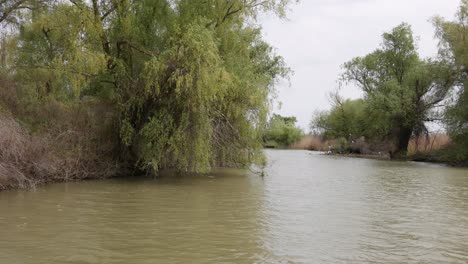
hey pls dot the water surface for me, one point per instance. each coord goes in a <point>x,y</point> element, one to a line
<point>307,208</point>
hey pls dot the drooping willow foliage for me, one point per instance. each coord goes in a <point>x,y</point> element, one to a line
<point>190,81</point>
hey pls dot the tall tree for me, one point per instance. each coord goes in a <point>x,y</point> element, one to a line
<point>189,81</point>
<point>402,88</point>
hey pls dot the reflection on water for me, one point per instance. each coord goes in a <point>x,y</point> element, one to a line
<point>307,209</point>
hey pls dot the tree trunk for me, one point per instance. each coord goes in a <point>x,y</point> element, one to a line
<point>402,139</point>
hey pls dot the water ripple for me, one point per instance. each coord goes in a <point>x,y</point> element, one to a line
<point>307,209</point>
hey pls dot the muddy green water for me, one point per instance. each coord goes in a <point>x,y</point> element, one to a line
<point>306,209</point>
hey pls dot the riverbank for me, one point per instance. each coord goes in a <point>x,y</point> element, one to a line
<point>420,157</point>
<point>436,148</point>
<point>360,156</point>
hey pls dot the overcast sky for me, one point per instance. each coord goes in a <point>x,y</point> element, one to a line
<point>320,35</point>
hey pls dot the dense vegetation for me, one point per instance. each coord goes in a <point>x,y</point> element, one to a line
<point>146,85</point>
<point>453,37</point>
<point>346,118</point>
<point>282,132</point>
<point>402,92</point>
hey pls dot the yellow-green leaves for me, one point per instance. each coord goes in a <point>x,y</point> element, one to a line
<point>189,81</point>
<point>152,72</point>
<point>59,45</point>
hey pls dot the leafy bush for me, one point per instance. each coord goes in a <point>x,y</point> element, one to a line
<point>282,132</point>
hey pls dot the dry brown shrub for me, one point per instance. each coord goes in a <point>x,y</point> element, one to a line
<point>422,145</point>
<point>73,140</point>
<point>76,142</point>
<point>16,155</point>
<point>83,139</point>
<point>428,144</point>
<point>311,142</point>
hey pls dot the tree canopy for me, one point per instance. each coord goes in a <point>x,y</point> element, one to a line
<point>189,81</point>
<point>401,89</point>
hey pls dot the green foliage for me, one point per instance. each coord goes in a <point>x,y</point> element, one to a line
<point>401,90</point>
<point>52,58</point>
<point>189,82</point>
<point>282,132</point>
<point>453,48</point>
<point>346,119</point>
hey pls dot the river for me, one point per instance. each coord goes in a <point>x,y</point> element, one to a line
<point>307,208</point>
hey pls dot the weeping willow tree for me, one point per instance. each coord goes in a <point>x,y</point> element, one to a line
<point>189,81</point>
